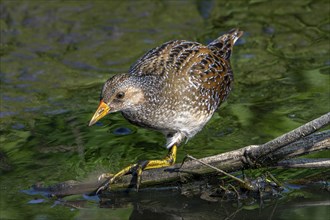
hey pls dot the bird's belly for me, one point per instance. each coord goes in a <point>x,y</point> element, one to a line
<point>186,122</point>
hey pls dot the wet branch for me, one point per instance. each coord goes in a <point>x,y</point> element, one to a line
<point>304,163</point>
<point>276,153</point>
<point>290,137</point>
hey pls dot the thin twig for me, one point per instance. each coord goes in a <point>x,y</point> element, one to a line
<point>217,169</point>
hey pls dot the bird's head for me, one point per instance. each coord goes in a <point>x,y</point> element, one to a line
<point>120,92</point>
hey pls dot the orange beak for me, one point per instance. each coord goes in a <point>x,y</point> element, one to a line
<point>101,111</point>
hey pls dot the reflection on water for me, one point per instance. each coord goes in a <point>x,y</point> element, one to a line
<point>168,203</point>
<point>56,56</point>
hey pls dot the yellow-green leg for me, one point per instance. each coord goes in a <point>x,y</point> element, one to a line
<point>138,168</point>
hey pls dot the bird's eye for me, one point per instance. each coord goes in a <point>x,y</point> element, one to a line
<point>120,95</point>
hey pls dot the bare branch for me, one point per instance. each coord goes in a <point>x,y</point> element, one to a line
<point>291,144</point>
<point>291,136</point>
<point>304,163</point>
<point>312,143</point>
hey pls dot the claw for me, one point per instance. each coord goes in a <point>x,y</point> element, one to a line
<point>101,188</point>
<point>104,186</point>
<point>107,183</point>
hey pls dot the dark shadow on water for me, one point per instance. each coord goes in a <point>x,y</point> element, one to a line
<point>172,203</point>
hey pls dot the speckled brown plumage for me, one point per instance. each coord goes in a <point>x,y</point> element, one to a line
<point>174,88</point>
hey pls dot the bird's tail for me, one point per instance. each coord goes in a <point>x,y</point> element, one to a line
<point>223,45</point>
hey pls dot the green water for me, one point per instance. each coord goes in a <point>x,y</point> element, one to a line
<point>55,56</point>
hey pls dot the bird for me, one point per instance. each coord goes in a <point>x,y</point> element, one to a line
<point>175,89</point>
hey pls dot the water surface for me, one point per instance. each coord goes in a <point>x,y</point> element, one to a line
<point>55,57</point>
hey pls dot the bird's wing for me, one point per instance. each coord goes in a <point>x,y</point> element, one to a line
<point>202,66</point>
<point>163,59</point>
<point>211,71</point>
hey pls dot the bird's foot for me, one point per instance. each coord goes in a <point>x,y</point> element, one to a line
<point>112,178</point>
<point>137,169</point>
